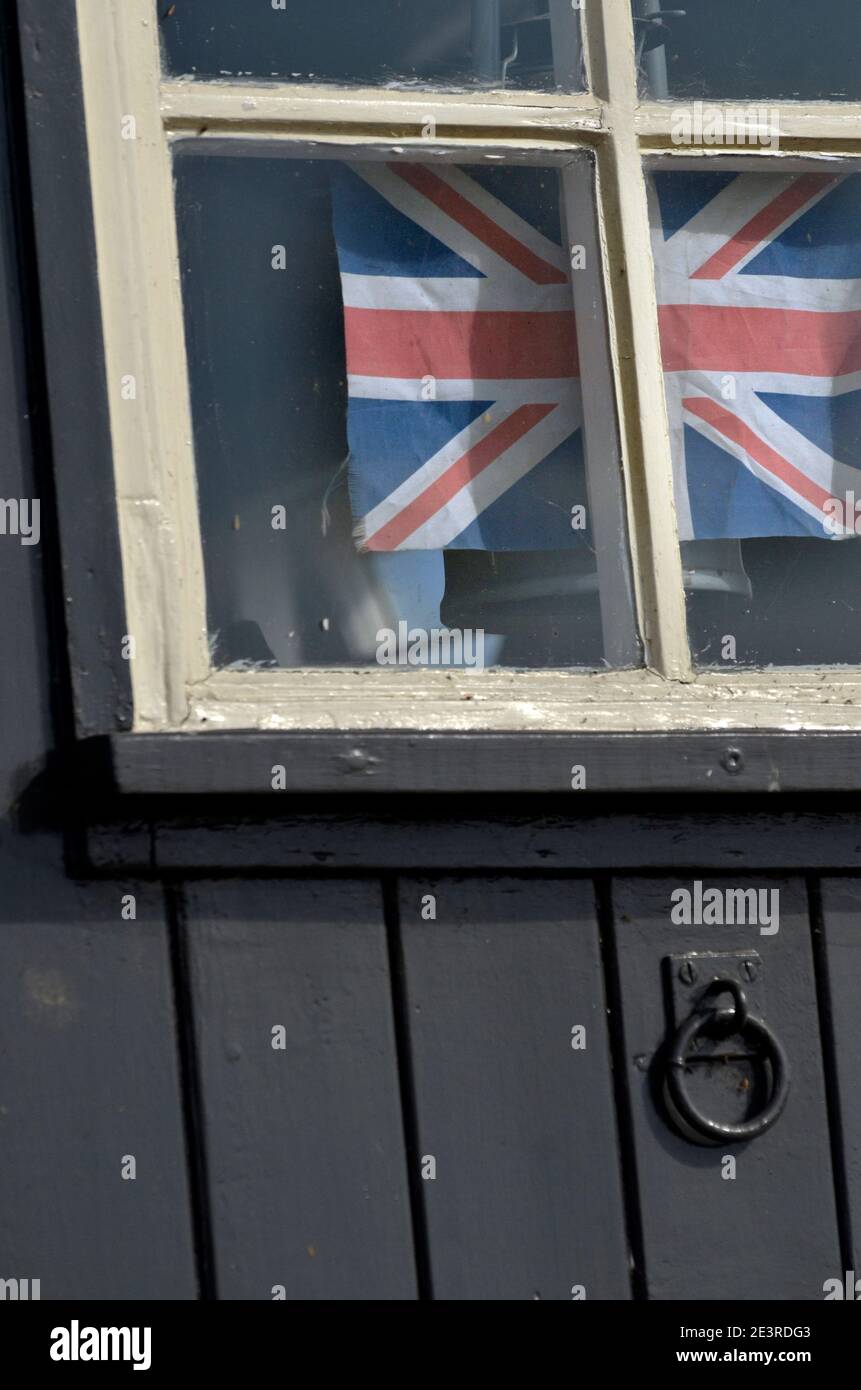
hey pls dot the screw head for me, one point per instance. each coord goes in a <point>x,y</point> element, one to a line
<point>748,970</point>
<point>733,761</point>
<point>687,973</point>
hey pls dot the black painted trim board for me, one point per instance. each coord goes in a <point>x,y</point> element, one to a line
<point>430,834</point>
<point>74,352</point>
<point>243,763</point>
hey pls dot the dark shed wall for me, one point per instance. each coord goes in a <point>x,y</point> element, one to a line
<point>427,1128</point>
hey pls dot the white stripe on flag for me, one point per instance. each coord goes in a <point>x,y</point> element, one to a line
<point>566,417</point>
<point>809,465</point>
<point>722,218</point>
<point>777,383</point>
<point>438,224</point>
<point>761,292</point>
<point>738,452</point>
<point>506,217</point>
<point>492,482</point>
<point>458,294</point>
<point>526,392</point>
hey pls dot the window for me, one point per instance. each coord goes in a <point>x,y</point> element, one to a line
<point>394,360</point>
<point>533,44</point>
<point>305,226</point>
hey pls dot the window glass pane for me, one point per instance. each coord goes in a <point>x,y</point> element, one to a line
<point>759,290</point>
<point>740,49</point>
<point>413,462</point>
<point>531,44</point>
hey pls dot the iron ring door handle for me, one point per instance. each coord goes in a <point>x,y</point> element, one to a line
<point>692,1121</point>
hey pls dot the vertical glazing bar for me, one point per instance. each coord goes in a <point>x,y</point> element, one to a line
<point>626,234</point>
<point>144,331</point>
<point>607,511</point>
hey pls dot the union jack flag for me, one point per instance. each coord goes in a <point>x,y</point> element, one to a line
<point>759,293</point>
<point>464,396</point>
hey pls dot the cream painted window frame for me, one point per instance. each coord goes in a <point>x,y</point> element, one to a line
<point>174,686</point>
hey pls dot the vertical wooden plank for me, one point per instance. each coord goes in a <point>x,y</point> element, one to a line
<point>304,1144</point>
<point>88,1062</point>
<point>771,1232</point>
<point>24,671</point>
<point>89,1080</point>
<point>526,1202</point>
<point>841,927</point>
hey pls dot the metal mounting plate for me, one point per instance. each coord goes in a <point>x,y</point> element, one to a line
<point>689,974</point>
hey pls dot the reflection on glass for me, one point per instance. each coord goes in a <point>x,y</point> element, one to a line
<point>759,291</point>
<point>532,44</point>
<point>749,49</point>
<point>387,414</point>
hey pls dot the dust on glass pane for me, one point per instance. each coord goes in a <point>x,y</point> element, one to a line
<point>531,44</point>
<point>387,414</point>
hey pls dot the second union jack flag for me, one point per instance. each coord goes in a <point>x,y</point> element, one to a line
<point>464,397</point>
<point>759,294</point>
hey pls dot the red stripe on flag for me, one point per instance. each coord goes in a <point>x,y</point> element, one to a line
<point>735,429</point>
<point>409,344</point>
<point>457,476</point>
<point>766,221</point>
<point>467,215</point>
<point>718,338</point>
